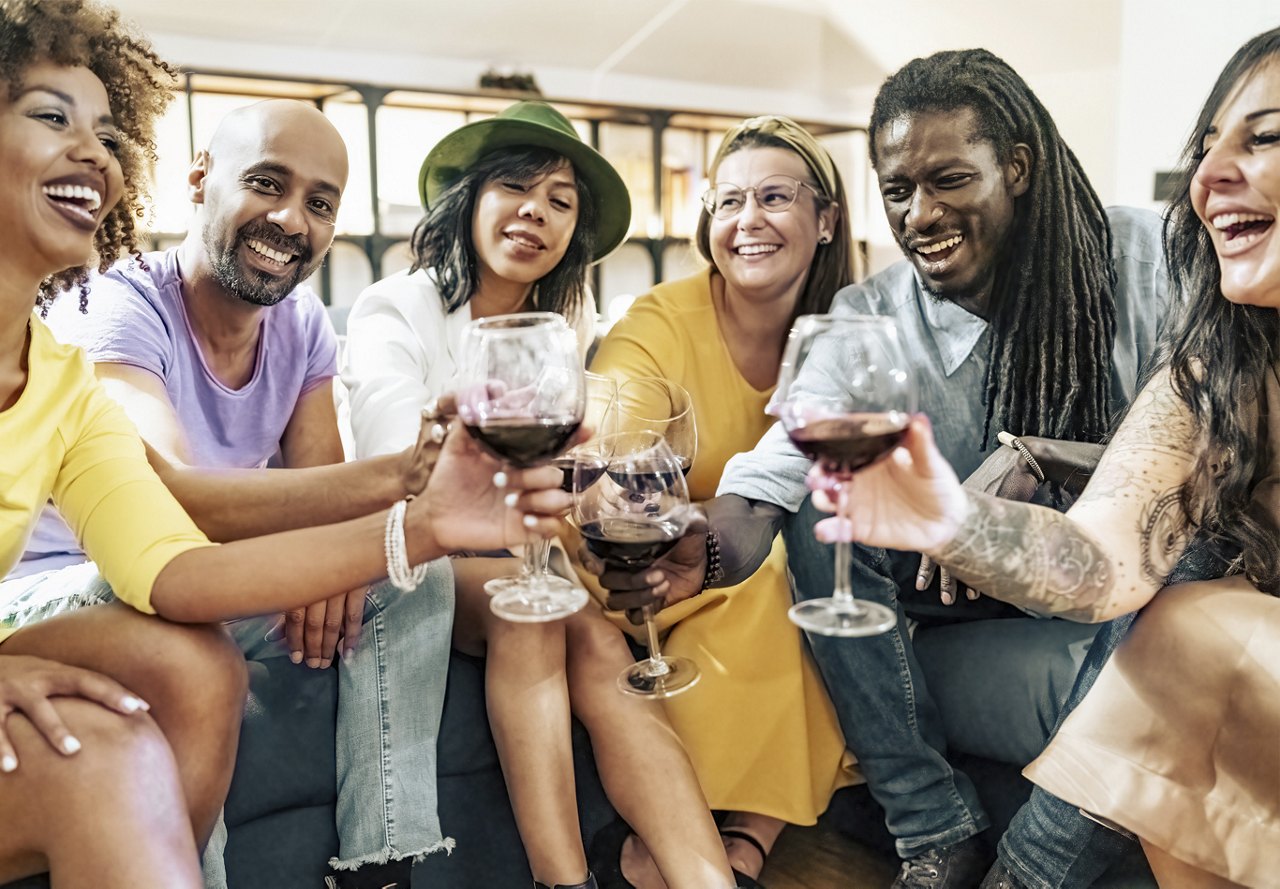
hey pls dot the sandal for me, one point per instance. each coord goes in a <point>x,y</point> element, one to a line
<point>744,881</point>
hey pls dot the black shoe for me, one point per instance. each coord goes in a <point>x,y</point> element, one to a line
<point>1000,877</point>
<point>959,866</point>
<point>588,883</point>
<point>388,875</point>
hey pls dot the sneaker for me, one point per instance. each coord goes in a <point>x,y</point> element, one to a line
<point>388,875</point>
<point>959,866</point>
<point>1000,877</point>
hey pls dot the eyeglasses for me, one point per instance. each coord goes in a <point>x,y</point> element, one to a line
<point>774,193</point>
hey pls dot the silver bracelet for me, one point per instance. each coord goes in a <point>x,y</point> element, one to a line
<point>402,576</point>
<point>1010,440</point>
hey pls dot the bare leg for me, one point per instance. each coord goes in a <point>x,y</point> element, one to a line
<point>1173,873</point>
<point>528,701</point>
<point>193,677</point>
<point>112,816</point>
<point>745,857</point>
<point>642,763</point>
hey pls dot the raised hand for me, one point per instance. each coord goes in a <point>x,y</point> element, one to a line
<point>673,578</point>
<point>910,501</point>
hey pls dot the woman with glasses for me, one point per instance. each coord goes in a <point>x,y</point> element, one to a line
<point>774,232</point>
<point>518,207</point>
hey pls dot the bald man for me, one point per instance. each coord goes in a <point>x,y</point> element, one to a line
<point>224,359</point>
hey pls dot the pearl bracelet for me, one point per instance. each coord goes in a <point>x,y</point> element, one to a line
<point>402,577</point>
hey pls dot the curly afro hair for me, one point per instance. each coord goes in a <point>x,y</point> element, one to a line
<point>139,84</point>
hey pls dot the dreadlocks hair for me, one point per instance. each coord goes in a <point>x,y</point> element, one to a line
<point>442,239</point>
<point>1219,353</point>
<point>1053,299</point>
<point>139,84</point>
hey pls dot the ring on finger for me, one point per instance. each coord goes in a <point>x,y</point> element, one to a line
<point>438,431</point>
<point>431,410</point>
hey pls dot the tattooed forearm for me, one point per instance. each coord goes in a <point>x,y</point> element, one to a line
<point>1032,557</point>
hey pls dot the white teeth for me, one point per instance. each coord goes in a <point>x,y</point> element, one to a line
<point>757,249</point>
<point>930,249</point>
<point>1226,220</point>
<point>91,196</point>
<point>273,255</point>
<point>523,239</point>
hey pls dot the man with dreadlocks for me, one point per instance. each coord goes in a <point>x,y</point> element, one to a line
<point>1028,309</point>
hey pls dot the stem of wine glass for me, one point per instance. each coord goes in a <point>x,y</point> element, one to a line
<point>541,557</point>
<point>843,592</point>
<point>657,666</point>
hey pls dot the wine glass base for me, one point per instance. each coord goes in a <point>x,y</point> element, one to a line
<point>681,675</point>
<point>535,601</point>
<point>829,617</point>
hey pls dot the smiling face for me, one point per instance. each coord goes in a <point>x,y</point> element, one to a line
<point>270,183</point>
<point>949,199</point>
<point>762,254</point>
<point>1236,188</point>
<point>521,229</point>
<point>61,173</point>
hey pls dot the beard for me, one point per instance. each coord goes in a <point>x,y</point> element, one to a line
<point>251,285</point>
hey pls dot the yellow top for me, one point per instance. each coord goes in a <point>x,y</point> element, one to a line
<point>672,332</point>
<point>65,437</point>
<point>759,727</point>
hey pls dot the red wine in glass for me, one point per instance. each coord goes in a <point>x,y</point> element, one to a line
<point>844,443</point>
<point>630,544</point>
<point>522,441</point>
<point>589,469</point>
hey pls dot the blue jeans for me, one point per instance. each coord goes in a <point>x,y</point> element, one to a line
<point>991,687</point>
<point>390,700</point>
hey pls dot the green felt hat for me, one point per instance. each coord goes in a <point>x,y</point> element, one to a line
<point>532,124</point>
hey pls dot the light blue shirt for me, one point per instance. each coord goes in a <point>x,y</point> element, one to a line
<point>949,349</point>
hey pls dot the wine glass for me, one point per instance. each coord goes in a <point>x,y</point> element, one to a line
<point>663,407</point>
<point>521,395</point>
<point>845,396</point>
<point>600,416</point>
<point>630,515</point>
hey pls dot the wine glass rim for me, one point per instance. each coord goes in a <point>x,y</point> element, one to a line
<point>830,319</point>
<point>516,322</point>
<point>663,381</point>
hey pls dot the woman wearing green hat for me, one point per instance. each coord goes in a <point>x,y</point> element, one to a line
<point>776,238</point>
<point>518,207</point>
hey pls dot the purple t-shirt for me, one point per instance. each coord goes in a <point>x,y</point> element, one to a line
<point>138,317</point>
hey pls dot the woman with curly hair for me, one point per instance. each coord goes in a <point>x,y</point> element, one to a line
<point>118,729</point>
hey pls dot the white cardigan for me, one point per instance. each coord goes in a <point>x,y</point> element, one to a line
<point>401,351</point>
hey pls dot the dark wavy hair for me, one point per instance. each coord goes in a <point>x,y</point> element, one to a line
<point>139,84</point>
<point>442,239</point>
<point>1218,354</point>
<point>1053,302</point>
<point>832,265</point>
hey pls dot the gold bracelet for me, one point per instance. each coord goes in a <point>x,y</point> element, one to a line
<point>1010,440</point>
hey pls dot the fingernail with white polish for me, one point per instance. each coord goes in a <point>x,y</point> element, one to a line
<point>70,744</point>
<point>530,522</point>
<point>347,655</point>
<point>295,656</point>
<point>511,499</point>
<point>133,705</point>
<point>8,763</point>
<point>499,479</point>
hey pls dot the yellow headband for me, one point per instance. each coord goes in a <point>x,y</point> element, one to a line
<point>800,140</point>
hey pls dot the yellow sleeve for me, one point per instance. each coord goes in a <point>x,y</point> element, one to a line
<point>120,511</point>
<point>644,343</point>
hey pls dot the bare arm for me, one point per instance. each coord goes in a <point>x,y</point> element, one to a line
<point>232,504</point>
<point>1113,549</point>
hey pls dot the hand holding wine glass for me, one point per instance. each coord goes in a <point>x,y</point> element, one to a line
<point>522,396</point>
<point>629,516</point>
<point>845,397</point>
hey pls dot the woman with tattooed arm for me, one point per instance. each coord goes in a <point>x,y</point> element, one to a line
<point>1176,742</point>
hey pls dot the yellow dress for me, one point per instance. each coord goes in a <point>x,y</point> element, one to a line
<point>759,727</point>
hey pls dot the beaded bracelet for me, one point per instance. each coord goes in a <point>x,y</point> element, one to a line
<point>715,571</point>
<point>1010,440</point>
<point>402,577</point>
